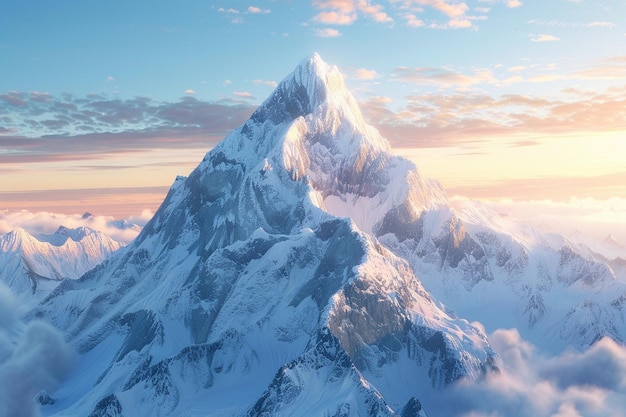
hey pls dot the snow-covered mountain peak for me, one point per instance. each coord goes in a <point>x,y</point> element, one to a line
<point>310,133</point>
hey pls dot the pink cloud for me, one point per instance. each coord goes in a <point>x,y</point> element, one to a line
<point>374,11</point>
<point>344,6</point>
<point>335,18</point>
<point>258,10</point>
<point>365,74</point>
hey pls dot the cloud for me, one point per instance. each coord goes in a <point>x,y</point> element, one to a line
<point>229,10</point>
<point>517,68</point>
<point>532,384</point>
<point>543,38</point>
<point>459,23</point>
<point>374,11</point>
<point>443,77</point>
<point>72,128</point>
<point>46,223</point>
<point>243,94</point>
<point>512,4</point>
<point>600,24</point>
<point>334,18</point>
<point>327,33</point>
<point>272,84</point>
<point>446,118</point>
<point>257,10</point>
<point>593,217</point>
<point>346,12</point>
<point>33,357</point>
<point>190,91</point>
<point>450,9</point>
<point>365,74</point>
<point>413,21</point>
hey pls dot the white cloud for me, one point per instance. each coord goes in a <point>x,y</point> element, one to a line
<point>258,10</point>
<point>543,38</point>
<point>517,68</point>
<point>533,384</point>
<point>265,82</point>
<point>229,10</point>
<point>190,91</point>
<point>243,94</point>
<point>513,3</point>
<point>593,217</point>
<point>327,33</point>
<point>33,357</point>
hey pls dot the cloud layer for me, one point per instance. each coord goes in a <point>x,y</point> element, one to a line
<point>47,223</point>
<point>39,127</point>
<point>574,384</point>
<point>33,357</point>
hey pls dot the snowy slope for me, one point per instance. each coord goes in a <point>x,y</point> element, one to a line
<point>558,294</point>
<point>32,265</point>
<point>251,292</point>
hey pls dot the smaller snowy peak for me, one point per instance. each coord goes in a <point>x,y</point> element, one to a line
<point>612,241</point>
<point>36,264</point>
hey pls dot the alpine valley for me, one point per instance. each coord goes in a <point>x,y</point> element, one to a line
<point>304,270</point>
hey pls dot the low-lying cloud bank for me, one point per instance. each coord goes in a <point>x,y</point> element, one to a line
<point>530,384</point>
<point>34,357</point>
<point>124,230</point>
<point>574,218</point>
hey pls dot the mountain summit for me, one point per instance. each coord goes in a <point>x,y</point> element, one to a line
<point>258,288</point>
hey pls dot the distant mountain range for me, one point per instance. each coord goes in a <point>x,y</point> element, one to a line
<point>34,265</point>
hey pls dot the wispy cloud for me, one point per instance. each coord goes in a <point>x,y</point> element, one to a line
<point>268,83</point>
<point>439,119</point>
<point>443,77</point>
<point>334,18</point>
<point>38,115</point>
<point>595,217</point>
<point>229,10</point>
<point>258,10</point>
<point>365,74</point>
<point>543,38</point>
<point>327,33</point>
<point>244,94</point>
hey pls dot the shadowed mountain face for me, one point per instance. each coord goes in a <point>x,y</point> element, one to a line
<point>259,288</point>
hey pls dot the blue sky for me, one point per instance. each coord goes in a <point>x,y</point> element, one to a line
<point>513,99</point>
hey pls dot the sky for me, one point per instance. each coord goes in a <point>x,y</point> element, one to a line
<point>517,103</point>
